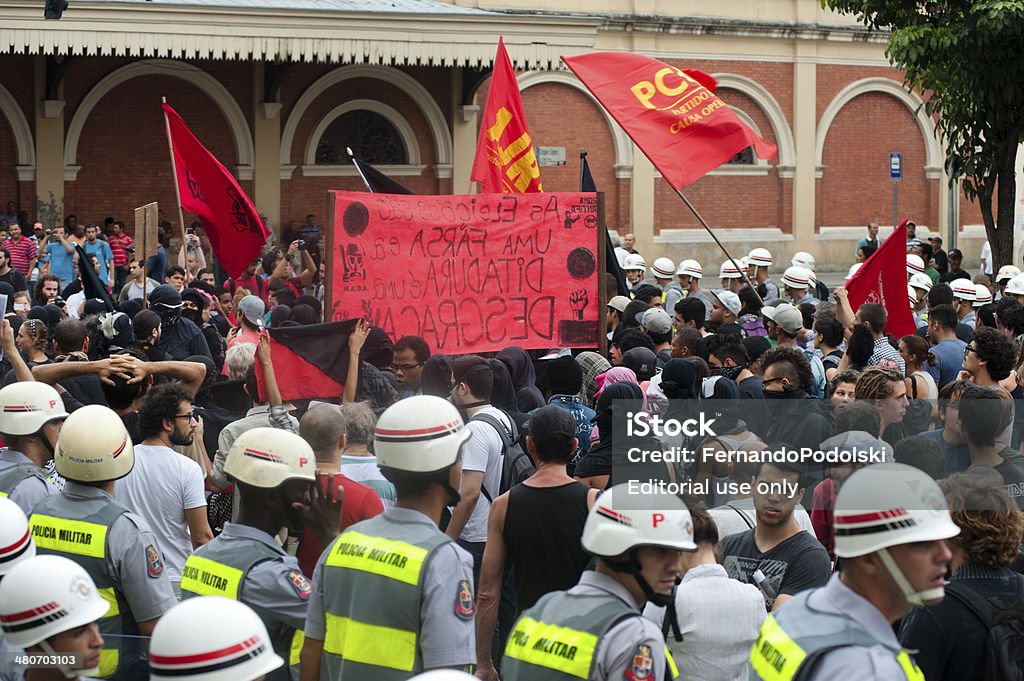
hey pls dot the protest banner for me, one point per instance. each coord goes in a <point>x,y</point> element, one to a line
<point>474,273</point>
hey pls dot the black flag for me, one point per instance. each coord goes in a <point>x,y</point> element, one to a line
<point>376,181</point>
<point>91,284</point>
<point>611,262</point>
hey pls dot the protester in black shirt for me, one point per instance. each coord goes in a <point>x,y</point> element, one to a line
<point>535,527</point>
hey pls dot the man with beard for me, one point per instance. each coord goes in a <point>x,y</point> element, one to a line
<point>274,472</point>
<point>179,337</point>
<point>789,559</point>
<point>393,595</point>
<point>165,487</point>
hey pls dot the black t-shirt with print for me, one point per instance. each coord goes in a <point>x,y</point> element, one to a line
<point>797,564</point>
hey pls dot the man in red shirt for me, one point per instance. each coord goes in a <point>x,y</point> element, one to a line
<point>119,243</point>
<point>324,429</point>
<point>23,251</point>
<point>256,284</point>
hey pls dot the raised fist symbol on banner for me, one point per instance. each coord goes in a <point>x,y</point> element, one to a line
<point>578,301</point>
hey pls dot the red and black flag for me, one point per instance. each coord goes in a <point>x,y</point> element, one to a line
<point>311,361</point>
<point>611,263</point>
<point>376,181</point>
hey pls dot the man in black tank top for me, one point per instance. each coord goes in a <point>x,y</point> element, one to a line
<point>536,527</point>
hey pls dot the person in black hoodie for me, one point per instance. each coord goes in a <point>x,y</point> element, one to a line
<point>794,416</point>
<point>436,377</point>
<point>524,378</point>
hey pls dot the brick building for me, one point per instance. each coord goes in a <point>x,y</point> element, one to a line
<point>277,89</point>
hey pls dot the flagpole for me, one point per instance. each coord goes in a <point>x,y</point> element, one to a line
<point>583,157</point>
<point>174,174</point>
<point>743,270</point>
<point>358,169</point>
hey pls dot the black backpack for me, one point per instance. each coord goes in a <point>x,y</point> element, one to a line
<point>516,464</point>
<point>1004,646</point>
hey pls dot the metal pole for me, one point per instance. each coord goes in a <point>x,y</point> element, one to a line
<point>743,270</point>
<point>895,204</point>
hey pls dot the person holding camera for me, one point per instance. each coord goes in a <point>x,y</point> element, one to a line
<point>56,250</point>
<point>190,256</point>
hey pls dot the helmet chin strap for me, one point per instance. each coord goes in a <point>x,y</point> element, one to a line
<point>67,671</point>
<point>913,597</point>
<point>633,568</point>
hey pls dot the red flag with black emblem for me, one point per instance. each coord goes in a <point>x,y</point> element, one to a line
<point>505,162</point>
<point>672,114</point>
<point>209,191</point>
<point>882,279</point>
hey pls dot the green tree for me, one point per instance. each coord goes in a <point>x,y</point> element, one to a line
<point>967,58</point>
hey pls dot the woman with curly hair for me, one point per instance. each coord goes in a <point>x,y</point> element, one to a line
<point>951,637</point>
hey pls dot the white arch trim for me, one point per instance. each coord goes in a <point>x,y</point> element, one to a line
<point>389,74</point>
<point>209,85</point>
<point>770,106</point>
<point>933,150</point>
<point>412,166</point>
<point>24,145</point>
<point>623,145</point>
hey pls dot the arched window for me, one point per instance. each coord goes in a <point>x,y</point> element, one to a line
<point>744,157</point>
<point>371,136</point>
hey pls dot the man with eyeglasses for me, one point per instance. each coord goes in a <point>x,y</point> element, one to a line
<point>410,354</point>
<point>164,487</point>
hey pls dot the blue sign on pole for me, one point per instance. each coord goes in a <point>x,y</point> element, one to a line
<point>895,166</point>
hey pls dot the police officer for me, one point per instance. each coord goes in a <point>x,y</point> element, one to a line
<point>393,595</point>
<point>210,638</point>
<point>758,262</point>
<point>49,604</point>
<point>595,630</point>
<point>114,545</point>
<point>31,414</point>
<point>891,521</point>
<point>16,546</point>
<point>274,472</point>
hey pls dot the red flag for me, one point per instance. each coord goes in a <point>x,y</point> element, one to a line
<point>505,159</point>
<point>882,279</point>
<point>673,115</point>
<point>209,191</point>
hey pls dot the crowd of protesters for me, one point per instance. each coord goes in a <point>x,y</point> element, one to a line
<point>470,513</point>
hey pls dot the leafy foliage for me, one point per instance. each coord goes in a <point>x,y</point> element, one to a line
<point>967,58</point>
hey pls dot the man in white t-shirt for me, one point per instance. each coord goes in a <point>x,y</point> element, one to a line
<point>164,487</point>
<point>472,382</point>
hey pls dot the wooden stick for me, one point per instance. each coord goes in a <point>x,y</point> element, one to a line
<point>174,174</point>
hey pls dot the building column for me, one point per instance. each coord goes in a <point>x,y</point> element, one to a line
<point>805,124</point>
<point>266,176</point>
<point>49,141</point>
<point>465,120</point>
<point>641,205</point>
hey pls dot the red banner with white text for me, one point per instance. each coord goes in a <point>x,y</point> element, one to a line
<point>472,273</point>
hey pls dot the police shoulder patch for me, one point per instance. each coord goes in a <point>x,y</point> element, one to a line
<point>300,583</point>
<point>465,606</point>
<point>641,665</point>
<point>154,564</point>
